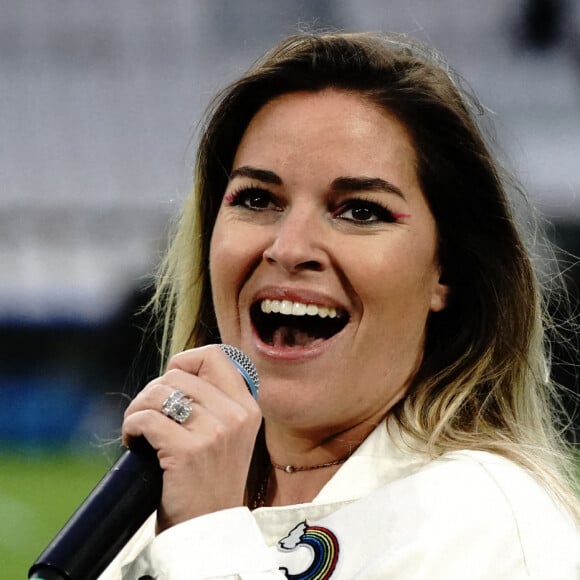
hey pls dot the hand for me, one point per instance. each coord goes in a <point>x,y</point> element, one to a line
<point>205,460</point>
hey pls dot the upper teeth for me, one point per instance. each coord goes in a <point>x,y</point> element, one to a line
<point>297,308</point>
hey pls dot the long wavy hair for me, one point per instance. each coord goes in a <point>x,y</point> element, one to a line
<point>483,382</point>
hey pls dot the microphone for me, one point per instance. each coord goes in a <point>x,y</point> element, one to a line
<point>117,507</point>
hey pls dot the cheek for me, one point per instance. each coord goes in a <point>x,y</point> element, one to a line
<point>397,283</point>
<point>224,249</point>
<point>396,302</point>
<point>221,269</point>
<point>232,254</point>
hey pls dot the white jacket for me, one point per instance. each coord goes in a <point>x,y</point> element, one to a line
<point>388,513</point>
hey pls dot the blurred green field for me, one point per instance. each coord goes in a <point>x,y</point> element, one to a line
<point>38,493</point>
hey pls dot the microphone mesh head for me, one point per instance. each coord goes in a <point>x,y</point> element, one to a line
<point>245,366</point>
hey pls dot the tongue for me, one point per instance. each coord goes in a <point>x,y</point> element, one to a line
<point>285,336</point>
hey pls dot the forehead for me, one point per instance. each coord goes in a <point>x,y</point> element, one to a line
<point>332,131</point>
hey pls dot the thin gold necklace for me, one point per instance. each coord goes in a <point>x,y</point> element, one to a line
<point>261,494</point>
<point>293,468</point>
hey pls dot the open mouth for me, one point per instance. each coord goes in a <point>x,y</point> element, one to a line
<point>283,323</point>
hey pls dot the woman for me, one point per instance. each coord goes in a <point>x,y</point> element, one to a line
<point>350,231</point>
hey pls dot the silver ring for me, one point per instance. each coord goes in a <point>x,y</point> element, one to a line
<point>177,407</point>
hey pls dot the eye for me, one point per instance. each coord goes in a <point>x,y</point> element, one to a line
<point>360,211</point>
<point>252,198</point>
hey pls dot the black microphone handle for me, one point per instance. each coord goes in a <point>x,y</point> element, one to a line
<point>126,496</point>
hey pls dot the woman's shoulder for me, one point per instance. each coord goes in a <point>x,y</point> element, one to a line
<point>481,492</point>
<point>471,513</point>
<point>469,475</point>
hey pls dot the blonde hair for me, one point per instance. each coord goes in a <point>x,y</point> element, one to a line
<point>484,379</point>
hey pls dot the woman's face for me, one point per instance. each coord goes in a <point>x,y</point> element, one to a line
<point>323,259</point>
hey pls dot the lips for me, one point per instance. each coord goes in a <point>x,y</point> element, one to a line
<point>293,324</point>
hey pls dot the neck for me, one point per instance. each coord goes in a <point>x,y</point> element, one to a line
<point>298,487</point>
<point>314,459</point>
<point>307,447</point>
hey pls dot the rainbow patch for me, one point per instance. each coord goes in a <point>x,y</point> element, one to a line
<point>323,545</point>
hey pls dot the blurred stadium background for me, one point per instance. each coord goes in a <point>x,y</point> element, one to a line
<point>98,106</point>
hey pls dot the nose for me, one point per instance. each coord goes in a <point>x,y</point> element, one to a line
<point>298,243</point>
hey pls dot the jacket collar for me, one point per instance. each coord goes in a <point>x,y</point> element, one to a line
<point>381,458</point>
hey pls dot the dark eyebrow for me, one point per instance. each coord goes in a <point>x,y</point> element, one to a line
<point>347,184</point>
<point>365,184</point>
<point>255,173</point>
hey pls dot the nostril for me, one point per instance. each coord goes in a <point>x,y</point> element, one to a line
<point>295,266</point>
<point>311,265</point>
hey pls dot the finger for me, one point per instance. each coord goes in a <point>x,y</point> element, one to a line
<point>211,364</point>
<point>152,396</point>
<point>204,429</point>
<point>159,430</point>
<point>166,436</point>
<point>158,391</point>
<point>206,407</point>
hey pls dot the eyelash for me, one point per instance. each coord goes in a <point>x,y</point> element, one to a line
<point>242,198</point>
<point>381,213</point>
